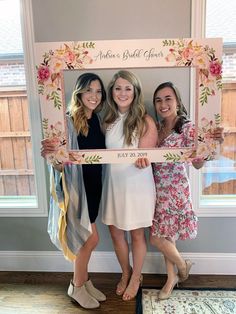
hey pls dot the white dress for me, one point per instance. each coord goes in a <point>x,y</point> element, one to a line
<point>128,196</point>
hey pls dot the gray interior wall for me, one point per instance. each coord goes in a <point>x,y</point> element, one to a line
<point>59,20</point>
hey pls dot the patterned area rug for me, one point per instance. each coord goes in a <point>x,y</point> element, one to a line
<point>186,301</point>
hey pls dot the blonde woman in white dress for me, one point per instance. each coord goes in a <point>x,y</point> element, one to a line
<point>128,197</point>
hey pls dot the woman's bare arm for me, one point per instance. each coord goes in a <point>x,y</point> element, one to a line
<point>149,137</point>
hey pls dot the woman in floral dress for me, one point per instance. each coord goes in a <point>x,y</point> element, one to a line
<point>174,217</point>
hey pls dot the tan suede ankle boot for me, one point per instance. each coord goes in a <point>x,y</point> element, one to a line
<point>82,297</point>
<point>94,292</point>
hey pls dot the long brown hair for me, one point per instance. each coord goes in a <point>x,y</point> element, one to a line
<point>76,108</point>
<point>181,110</point>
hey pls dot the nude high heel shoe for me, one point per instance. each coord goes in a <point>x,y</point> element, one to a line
<point>165,295</point>
<point>184,275</point>
<point>82,297</point>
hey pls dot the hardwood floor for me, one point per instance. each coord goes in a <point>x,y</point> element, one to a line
<point>32,292</point>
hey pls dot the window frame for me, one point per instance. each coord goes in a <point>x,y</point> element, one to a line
<point>198,22</point>
<point>29,209</point>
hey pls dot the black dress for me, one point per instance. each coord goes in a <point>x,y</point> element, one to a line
<point>92,174</point>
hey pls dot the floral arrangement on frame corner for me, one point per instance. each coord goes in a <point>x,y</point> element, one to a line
<point>74,56</point>
<point>189,53</point>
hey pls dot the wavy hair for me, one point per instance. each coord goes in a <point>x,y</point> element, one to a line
<point>181,110</point>
<point>77,108</point>
<point>135,121</point>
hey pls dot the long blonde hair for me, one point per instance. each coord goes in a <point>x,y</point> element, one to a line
<point>135,121</point>
<point>76,108</point>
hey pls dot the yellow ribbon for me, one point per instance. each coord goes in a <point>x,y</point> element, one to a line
<point>62,219</point>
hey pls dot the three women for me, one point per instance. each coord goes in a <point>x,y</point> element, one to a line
<point>128,195</point>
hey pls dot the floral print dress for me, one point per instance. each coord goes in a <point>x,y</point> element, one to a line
<point>174,216</point>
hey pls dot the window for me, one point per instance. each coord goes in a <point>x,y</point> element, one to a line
<point>216,181</point>
<point>22,191</point>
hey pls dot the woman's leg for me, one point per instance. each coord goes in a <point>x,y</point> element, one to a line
<point>82,259</point>
<point>138,252</point>
<point>169,250</point>
<point>81,289</point>
<point>122,252</point>
<point>172,280</point>
<point>172,257</point>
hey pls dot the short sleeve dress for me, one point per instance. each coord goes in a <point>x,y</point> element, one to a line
<point>128,196</point>
<point>174,216</point>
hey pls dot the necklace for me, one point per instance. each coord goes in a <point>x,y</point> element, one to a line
<point>166,131</point>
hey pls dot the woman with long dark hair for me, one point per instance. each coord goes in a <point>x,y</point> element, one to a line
<point>81,187</point>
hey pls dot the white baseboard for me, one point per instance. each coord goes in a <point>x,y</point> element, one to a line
<point>53,261</point>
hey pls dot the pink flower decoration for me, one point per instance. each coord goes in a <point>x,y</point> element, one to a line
<point>215,68</point>
<point>204,122</point>
<point>70,56</point>
<point>43,73</point>
<point>187,53</point>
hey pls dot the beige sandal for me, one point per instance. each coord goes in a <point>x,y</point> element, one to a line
<point>123,283</point>
<point>131,291</point>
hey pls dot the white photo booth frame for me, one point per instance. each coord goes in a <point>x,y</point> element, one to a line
<point>202,54</point>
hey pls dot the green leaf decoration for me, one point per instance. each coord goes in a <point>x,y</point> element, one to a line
<point>204,95</point>
<point>45,124</point>
<point>41,89</point>
<point>88,44</point>
<point>172,157</point>
<point>46,58</point>
<point>45,127</point>
<point>93,159</point>
<point>219,83</point>
<point>217,119</point>
<point>211,52</point>
<point>168,42</point>
<point>54,96</point>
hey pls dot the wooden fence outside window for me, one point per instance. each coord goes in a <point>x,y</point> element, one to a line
<point>16,174</point>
